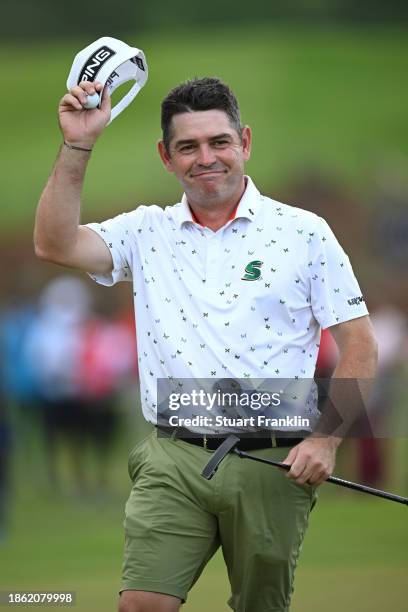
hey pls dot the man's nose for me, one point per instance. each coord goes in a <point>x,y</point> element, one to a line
<point>206,155</point>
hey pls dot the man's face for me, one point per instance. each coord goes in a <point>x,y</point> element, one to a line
<point>207,155</point>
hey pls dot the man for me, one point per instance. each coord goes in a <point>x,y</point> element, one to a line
<point>198,316</point>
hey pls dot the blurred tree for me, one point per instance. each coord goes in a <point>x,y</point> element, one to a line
<point>47,18</point>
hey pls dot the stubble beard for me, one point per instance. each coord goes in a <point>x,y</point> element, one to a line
<point>208,196</point>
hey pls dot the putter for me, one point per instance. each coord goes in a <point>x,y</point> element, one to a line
<point>230,445</point>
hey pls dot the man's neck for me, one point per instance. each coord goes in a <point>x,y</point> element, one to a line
<point>218,214</point>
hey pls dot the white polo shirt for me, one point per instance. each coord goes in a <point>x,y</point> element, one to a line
<point>247,301</point>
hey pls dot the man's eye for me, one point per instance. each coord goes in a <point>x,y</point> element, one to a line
<point>186,148</point>
<point>221,143</point>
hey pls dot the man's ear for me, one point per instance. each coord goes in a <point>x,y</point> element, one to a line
<point>246,142</point>
<point>165,157</point>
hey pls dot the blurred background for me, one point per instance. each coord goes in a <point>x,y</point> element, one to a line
<point>323,85</point>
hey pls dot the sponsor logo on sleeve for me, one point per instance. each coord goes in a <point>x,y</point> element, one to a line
<point>356,301</point>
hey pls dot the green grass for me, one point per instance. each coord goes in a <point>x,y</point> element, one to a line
<point>354,554</point>
<point>331,98</point>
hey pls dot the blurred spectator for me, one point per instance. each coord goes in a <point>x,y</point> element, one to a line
<point>5,447</point>
<point>80,362</point>
<point>19,390</point>
<point>18,377</point>
<point>390,325</point>
<point>107,362</point>
<point>391,328</point>
<point>328,355</point>
<point>53,347</point>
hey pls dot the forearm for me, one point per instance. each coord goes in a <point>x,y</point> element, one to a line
<point>58,213</point>
<point>57,233</point>
<point>313,459</point>
<point>349,389</point>
<point>357,360</point>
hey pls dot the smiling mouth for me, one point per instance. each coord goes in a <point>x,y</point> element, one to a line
<point>209,173</point>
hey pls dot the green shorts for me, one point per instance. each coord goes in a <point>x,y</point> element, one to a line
<point>176,520</point>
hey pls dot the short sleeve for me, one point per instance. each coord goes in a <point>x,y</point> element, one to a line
<point>335,293</point>
<point>118,234</point>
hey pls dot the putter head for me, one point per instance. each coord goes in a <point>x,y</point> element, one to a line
<point>220,454</point>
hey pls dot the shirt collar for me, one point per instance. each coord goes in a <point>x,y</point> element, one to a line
<point>247,208</point>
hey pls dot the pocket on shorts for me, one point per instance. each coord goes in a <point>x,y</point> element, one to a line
<point>311,490</point>
<point>134,455</point>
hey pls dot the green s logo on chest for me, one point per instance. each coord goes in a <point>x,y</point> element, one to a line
<point>253,271</point>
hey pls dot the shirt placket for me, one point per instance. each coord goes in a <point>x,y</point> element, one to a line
<point>213,262</point>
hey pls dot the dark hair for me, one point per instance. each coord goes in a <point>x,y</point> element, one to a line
<point>208,93</point>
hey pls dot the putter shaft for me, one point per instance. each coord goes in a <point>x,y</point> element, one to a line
<point>333,479</point>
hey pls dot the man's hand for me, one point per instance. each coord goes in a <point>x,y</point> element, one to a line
<point>312,460</point>
<point>81,127</point>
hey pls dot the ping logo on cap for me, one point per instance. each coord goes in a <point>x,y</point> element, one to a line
<point>94,63</point>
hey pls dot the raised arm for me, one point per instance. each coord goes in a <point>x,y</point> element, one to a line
<point>58,235</point>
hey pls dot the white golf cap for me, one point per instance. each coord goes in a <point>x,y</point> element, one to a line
<point>111,62</point>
